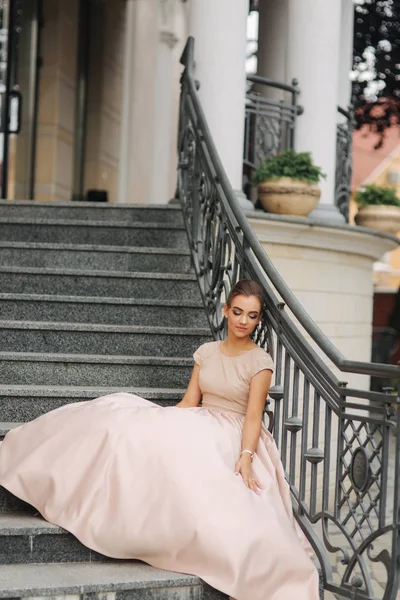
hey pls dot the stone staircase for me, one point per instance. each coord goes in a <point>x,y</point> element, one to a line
<point>93,299</point>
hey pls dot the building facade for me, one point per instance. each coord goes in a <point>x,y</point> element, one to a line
<point>94,88</point>
<point>90,91</point>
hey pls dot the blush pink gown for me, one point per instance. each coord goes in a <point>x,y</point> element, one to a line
<point>131,479</point>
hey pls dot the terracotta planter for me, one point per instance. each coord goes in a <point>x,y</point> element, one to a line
<point>288,196</point>
<point>380,217</point>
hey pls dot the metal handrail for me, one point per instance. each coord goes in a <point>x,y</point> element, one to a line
<point>293,89</point>
<point>323,342</point>
<point>346,113</point>
<point>321,426</point>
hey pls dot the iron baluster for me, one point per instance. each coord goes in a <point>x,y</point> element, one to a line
<point>304,441</point>
<point>315,454</point>
<point>286,396</point>
<point>294,425</point>
<point>276,392</point>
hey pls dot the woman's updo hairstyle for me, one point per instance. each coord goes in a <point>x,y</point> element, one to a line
<point>246,287</point>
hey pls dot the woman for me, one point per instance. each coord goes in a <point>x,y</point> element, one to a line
<point>189,488</point>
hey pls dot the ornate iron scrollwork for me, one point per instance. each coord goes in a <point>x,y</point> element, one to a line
<point>269,123</point>
<point>360,470</point>
<point>343,172</point>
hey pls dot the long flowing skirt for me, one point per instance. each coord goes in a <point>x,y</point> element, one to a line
<point>131,479</point>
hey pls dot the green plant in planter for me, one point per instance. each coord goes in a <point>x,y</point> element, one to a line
<point>373,195</point>
<point>296,165</point>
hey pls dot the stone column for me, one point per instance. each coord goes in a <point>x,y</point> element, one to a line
<point>104,98</point>
<point>313,58</point>
<point>272,44</point>
<point>346,53</point>
<point>57,87</point>
<point>219,29</point>
<point>165,128</point>
<point>156,32</point>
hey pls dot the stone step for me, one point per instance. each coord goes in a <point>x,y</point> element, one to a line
<point>118,580</point>
<point>91,211</point>
<point>6,426</point>
<point>115,233</point>
<point>27,538</point>
<point>26,402</point>
<point>96,309</point>
<point>10,504</point>
<point>121,284</point>
<point>22,368</point>
<point>91,338</point>
<point>105,258</point>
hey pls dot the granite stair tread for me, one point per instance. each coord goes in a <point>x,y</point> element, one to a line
<point>99,273</point>
<point>5,427</point>
<point>97,210</point>
<point>94,205</point>
<point>95,358</point>
<point>88,392</point>
<point>90,223</point>
<point>95,248</point>
<point>104,300</point>
<point>22,524</point>
<point>103,327</point>
<point>89,282</point>
<point>36,580</point>
<point>94,369</point>
<point>45,307</point>
<point>27,401</point>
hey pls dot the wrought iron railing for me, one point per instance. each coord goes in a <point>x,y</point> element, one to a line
<point>269,122</point>
<point>270,127</point>
<point>339,444</point>
<point>344,139</point>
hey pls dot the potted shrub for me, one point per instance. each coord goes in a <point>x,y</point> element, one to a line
<point>379,208</point>
<point>288,183</point>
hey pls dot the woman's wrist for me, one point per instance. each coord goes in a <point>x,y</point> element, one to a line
<point>248,453</point>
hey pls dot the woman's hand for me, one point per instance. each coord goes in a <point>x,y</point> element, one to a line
<point>244,468</point>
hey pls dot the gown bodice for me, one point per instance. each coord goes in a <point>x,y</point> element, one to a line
<point>225,380</point>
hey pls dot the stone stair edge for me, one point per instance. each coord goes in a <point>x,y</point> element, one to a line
<point>78,579</point>
<point>95,358</point>
<point>94,248</point>
<point>5,428</point>
<point>101,205</point>
<point>90,392</point>
<point>103,327</point>
<point>26,524</point>
<point>108,274</point>
<point>104,300</point>
<point>91,223</point>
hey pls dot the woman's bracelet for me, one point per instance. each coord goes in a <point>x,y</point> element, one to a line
<point>248,452</point>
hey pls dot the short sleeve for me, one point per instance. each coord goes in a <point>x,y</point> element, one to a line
<point>262,361</point>
<point>198,355</point>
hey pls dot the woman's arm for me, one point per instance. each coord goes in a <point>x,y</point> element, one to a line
<point>259,386</point>
<point>192,396</point>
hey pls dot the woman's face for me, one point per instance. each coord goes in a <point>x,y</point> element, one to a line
<point>243,315</point>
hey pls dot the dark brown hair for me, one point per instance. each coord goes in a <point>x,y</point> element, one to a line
<point>246,287</point>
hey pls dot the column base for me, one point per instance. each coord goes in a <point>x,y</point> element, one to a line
<point>327,213</point>
<point>245,203</point>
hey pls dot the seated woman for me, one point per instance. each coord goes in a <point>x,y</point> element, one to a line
<point>189,488</point>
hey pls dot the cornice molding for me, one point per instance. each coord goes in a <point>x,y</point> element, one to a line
<point>291,231</point>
